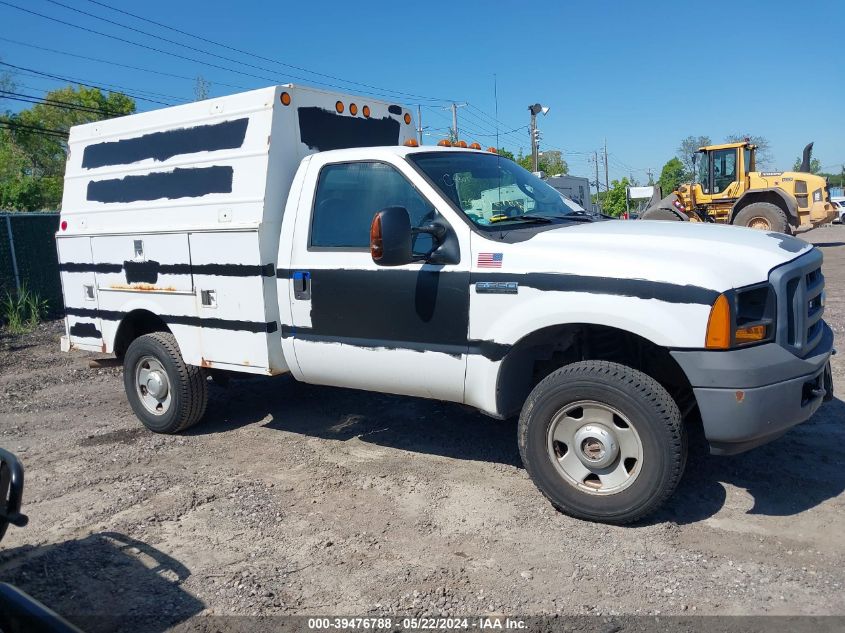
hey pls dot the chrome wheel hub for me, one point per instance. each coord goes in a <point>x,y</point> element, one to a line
<point>594,447</point>
<point>152,385</point>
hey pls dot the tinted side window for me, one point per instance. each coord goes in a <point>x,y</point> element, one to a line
<point>724,169</point>
<point>350,194</point>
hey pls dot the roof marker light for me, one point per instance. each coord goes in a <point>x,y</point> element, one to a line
<point>339,107</point>
<point>474,146</point>
<point>285,98</point>
<point>411,142</point>
<point>444,143</point>
<point>407,118</point>
<point>353,109</point>
<point>366,111</point>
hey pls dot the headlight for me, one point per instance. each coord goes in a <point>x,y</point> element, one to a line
<point>742,317</point>
<point>817,195</point>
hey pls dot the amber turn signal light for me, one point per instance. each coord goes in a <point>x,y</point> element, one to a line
<point>719,325</point>
<point>750,334</point>
<point>376,248</point>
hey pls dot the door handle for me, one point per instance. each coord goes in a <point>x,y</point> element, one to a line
<point>301,285</point>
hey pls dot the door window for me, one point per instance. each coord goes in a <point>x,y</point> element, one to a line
<point>350,194</point>
<point>724,169</point>
<point>703,166</point>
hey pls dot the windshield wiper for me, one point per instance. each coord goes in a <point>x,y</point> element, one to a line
<point>521,218</point>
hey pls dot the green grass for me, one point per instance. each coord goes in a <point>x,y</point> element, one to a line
<point>23,310</point>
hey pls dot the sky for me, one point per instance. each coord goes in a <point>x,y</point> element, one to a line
<point>640,76</point>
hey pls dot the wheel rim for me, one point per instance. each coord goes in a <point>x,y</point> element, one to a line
<point>759,223</point>
<point>152,385</point>
<point>594,447</point>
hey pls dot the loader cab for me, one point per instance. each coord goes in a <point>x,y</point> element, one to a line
<point>721,171</point>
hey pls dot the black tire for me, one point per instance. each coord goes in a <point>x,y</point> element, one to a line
<point>764,216</point>
<point>187,389</point>
<point>660,214</point>
<point>649,409</point>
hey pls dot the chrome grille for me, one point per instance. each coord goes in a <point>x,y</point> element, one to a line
<point>799,286</point>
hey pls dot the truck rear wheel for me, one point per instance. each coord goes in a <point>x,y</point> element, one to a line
<point>167,395</point>
<point>602,441</point>
<point>764,216</point>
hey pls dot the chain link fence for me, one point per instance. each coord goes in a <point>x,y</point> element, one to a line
<point>28,256</point>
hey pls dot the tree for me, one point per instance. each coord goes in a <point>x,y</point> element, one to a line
<point>815,165</point>
<point>550,162</point>
<point>672,175</point>
<point>505,153</point>
<point>32,162</point>
<point>764,148</point>
<point>614,201</point>
<point>688,147</point>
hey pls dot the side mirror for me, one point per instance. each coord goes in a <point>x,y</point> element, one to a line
<point>11,492</point>
<point>390,237</point>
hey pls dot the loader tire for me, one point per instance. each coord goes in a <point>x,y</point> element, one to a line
<point>602,441</point>
<point>166,394</point>
<point>764,216</point>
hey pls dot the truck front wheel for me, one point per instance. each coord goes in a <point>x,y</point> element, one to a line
<point>602,441</point>
<point>764,216</point>
<point>167,395</point>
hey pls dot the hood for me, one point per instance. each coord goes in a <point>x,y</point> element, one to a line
<point>718,257</point>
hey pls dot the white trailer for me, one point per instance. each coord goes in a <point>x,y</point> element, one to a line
<point>294,230</point>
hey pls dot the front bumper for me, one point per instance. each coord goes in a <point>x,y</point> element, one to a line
<point>748,397</point>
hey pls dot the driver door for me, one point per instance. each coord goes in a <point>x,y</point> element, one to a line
<point>355,324</point>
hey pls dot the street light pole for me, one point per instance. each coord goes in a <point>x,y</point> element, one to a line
<point>535,152</point>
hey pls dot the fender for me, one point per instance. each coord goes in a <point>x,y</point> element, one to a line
<point>664,324</point>
<point>767,195</point>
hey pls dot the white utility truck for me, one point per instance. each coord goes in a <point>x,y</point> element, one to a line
<point>293,230</point>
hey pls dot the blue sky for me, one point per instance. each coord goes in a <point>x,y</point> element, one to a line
<point>641,75</point>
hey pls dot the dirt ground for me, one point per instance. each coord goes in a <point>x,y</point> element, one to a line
<point>293,499</point>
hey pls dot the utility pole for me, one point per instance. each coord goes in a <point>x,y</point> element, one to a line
<point>606,178</point>
<point>650,176</point>
<point>419,126</point>
<point>598,187</point>
<point>454,108</point>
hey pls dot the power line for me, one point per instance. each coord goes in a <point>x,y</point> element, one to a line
<point>15,96</point>
<point>136,93</point>
<point>12,125</point>
<point>81,83</point>
<point>113,63</point>
<point>273,80</point>
<point>267,59</point>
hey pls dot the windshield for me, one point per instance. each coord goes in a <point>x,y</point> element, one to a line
<point>492,190</point>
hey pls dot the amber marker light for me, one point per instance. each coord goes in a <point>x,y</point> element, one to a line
<point>376,247</point>
<point>407,118</point>
<point>353,109</point>
<point>411,142</point>
<point>285,98</point>
<point>444,143</point>
<point>339,107</point>
<point>719,325</point>
<point>366,111</point>
<point>474,146</point>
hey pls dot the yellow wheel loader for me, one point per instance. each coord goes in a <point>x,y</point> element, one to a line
<point>729,190</point>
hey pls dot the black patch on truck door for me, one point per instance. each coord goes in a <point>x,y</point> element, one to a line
<point>163,145</point>
<point>179,183</point>
<point>323,130</point>
<point>392,308</point>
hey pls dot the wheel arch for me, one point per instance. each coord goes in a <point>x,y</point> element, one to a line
<point>136,323</point>
<point>542,351</point>
<point>773,195</point>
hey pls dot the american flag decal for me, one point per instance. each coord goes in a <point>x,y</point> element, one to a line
<point>489,260</point>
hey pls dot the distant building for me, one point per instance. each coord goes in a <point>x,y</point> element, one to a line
<point>575,188</point>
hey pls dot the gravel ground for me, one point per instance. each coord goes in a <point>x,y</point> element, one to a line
<point>294,499</point>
